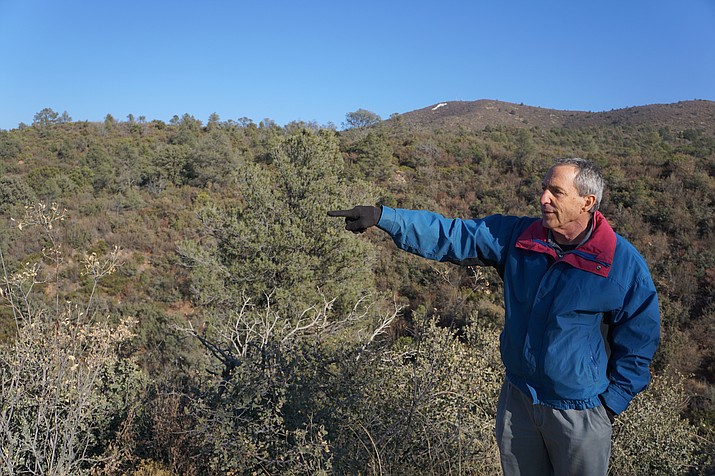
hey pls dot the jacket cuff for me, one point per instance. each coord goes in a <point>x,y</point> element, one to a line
<point>387,219</point>
<point>615,399</point>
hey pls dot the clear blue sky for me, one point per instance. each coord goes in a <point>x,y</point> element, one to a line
<point>317,60</point>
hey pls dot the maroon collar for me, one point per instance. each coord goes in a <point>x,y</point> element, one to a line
<point>595,256</point>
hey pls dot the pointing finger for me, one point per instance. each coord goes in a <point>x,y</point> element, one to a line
<point>344,213</point>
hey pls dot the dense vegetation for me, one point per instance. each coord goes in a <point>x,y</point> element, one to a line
<point>176,301</point>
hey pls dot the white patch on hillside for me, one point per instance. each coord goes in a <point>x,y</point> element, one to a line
<point>439,105</point>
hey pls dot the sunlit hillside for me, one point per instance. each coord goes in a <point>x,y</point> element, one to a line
<point>175,299</point>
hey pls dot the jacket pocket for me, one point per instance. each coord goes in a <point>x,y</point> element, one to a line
<point>594,367</point>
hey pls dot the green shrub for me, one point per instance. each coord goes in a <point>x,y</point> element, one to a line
<point>424,406</point>
<point>652,437</point>
<point>14,191</point>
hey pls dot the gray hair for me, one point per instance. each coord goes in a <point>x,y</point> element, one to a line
<point>589,179</point>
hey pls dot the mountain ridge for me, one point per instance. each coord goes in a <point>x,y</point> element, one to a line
<point>476,115</point>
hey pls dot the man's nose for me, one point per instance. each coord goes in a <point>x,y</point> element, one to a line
<point>545,197</point>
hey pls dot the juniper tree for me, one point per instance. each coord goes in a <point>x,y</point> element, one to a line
<point>277,239</point>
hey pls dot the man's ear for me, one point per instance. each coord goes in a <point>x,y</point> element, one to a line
<point>590,201</point>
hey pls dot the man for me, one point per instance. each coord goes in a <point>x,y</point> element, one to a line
<point>565,274</point>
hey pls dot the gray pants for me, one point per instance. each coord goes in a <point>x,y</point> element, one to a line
<point>541,441</point>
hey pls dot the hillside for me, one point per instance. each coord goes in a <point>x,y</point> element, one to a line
<point>476,115</point>
<point>176,296</point>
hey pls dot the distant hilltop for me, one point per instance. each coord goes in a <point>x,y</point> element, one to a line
<point>476,115</point>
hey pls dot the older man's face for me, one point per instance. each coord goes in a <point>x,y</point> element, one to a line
<point>563,210</point>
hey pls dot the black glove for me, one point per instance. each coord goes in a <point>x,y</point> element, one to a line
<point>611,414</point>
<point>359,218</point>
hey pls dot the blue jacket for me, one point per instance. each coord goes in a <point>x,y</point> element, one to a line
<point>552,343</point>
